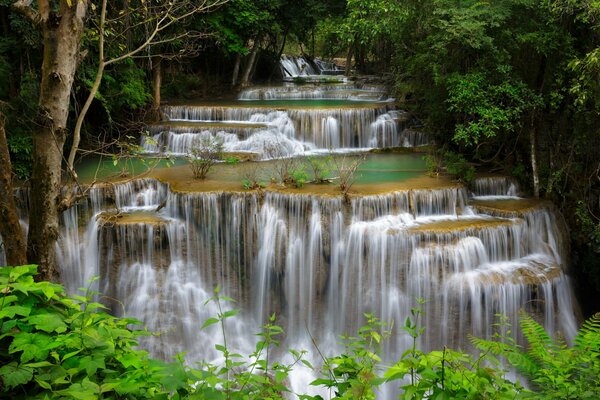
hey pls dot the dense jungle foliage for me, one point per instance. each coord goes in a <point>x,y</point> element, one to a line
<point>55,346</point>
<point>510,85</point>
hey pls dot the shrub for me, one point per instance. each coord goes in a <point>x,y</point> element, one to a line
<point>206,152</point>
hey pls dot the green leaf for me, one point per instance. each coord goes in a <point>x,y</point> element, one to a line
<point>11,311</point>
<point>14,375</point>
<point>209,322</point>
<point>48,323</point>
<point>230,313</point>
<point>34,346</point>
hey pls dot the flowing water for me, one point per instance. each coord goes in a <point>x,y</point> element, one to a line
<point>294,120</point>
<point>316,261</point>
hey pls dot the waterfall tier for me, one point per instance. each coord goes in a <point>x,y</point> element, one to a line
<point>314,92</point>
<point>293,130</point>
<point>293,67</point>
<point>318,262</point>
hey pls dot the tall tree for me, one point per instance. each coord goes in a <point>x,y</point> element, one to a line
<point>62,25</point>
<point>10,228</point>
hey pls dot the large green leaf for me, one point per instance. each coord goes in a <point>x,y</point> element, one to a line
<point>14,375</point>
<point>48,322</point>
<point>34,346</point>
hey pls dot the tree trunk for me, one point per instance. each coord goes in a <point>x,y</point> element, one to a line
<point>277,64</point>
<point>156,84</point>
<point>534,165</point>
<point>349,61</point>
<point>236,69</point>
<point>540,79</point>
<point>250,65</point>
<point>62,31</point>
<point>10,228</point>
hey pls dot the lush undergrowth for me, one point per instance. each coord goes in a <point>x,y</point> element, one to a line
<point>56,346</point>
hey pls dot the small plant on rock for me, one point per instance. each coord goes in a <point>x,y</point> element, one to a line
<point>320,168</point>
<point>205,153</point>
<point>346,167</point>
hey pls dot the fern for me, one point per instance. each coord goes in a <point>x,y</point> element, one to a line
<point>588,337</point>
<point>557,371</point>
<point>541,346</point>
<point>520,360</point>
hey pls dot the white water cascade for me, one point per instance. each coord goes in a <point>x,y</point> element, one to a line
<point>317,262</point>
<point>305,119</point>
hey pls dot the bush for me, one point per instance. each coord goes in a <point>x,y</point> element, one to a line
<point>206,152</point>
<point>53,346</point>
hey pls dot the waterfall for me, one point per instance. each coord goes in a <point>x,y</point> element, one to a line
<point>314,92</point>
<point>327,128</point>
<point>300,66</point>
<point>316,262</point>
<point>495,186</point>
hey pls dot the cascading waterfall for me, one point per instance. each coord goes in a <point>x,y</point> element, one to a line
<point>495,186</point>
<point>353,127</point>
<point>350,117</point>
<point>314,92</point>
<point>317,262</point>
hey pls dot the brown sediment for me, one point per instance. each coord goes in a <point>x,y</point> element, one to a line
<point>454,225</point>
<point>532,274</point>
<point>288,104</point>
<point>508,207</point>
<point>138,217</point>
<point>204,124</point>
<point>228,178</point>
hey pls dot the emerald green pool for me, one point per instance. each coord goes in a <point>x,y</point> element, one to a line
<point>377,168</point>
<point>287,104</point>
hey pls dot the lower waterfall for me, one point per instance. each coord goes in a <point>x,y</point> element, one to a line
<point>318,263</point>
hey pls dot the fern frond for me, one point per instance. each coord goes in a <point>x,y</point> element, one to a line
<point>588,337</point>
<point>541,345</point>
<point>523,362</point>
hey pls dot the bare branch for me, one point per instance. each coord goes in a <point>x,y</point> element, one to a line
<point>163,18</point>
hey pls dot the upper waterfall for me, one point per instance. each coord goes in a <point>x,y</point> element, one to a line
<point>301,66</point>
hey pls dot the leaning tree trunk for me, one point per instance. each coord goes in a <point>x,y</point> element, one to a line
<point>236,69</point>
<point>10,228</point>
<point>62,29</point>
<point>349,54</point>
<point>250,65</point>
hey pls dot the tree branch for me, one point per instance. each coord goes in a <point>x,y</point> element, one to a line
<point>24,8</point>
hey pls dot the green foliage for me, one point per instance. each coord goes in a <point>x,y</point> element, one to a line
<point>558,371</point>
<point>448,374</point>
<point>354,374</point>
<point>298,177</point>
<point>320,167</point>
<point>124,87</point>
<point>453,163</point>
<point>434,163</point>
<point>487,109</point>
<point>20,147</point>
<point>458,166</point>
<point>53,346</point>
